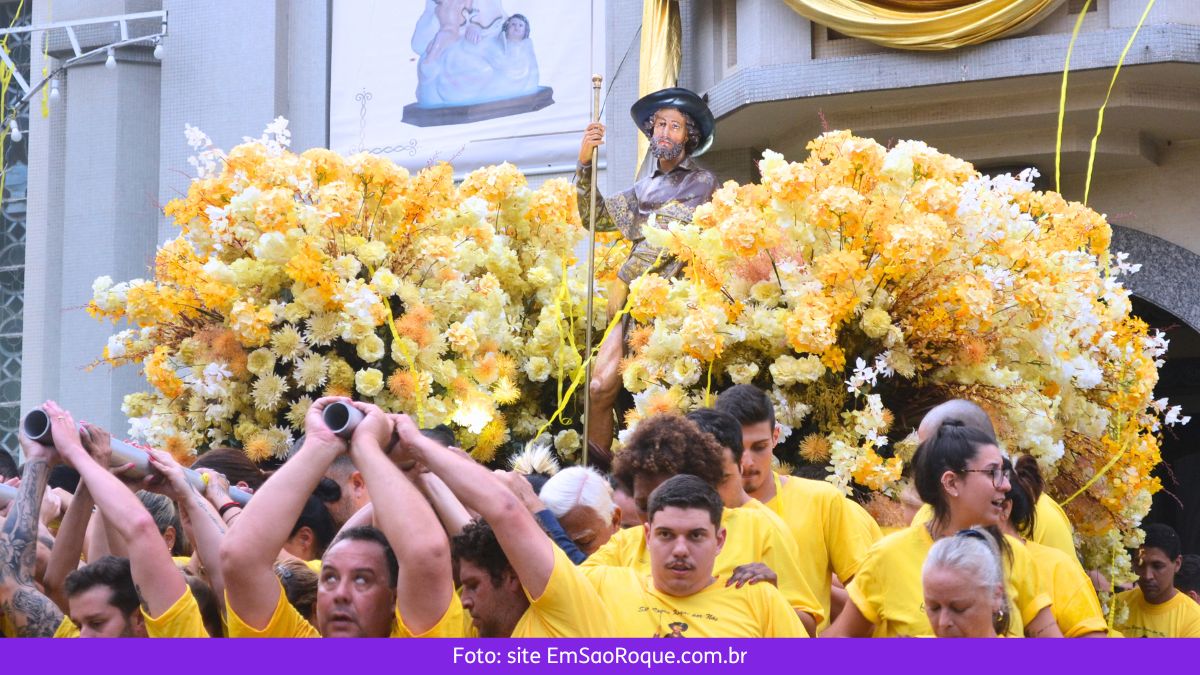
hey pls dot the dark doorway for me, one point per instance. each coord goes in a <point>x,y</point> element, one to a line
<point>1178,504</point>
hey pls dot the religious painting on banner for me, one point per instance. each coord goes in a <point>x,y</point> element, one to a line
<point>471,82</point>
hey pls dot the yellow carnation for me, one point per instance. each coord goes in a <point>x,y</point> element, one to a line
<point>875,323</point>
<point>261,361</point>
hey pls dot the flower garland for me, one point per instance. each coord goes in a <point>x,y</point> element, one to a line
<point>866,284</point>
<point>302,275</point>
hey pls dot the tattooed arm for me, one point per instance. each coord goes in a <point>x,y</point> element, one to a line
<point>207,528</point>
<point>22,605</point>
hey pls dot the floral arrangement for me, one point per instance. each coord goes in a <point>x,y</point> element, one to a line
<point>865,284</point>
<point>302,275</point>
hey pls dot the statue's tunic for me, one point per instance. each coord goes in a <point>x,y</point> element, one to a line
<point>655,199</point>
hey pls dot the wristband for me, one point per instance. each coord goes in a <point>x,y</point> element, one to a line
<point>231,505</point>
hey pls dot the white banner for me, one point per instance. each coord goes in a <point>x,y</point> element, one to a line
<point>472,82</point>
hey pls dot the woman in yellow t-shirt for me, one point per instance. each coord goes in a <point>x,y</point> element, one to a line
<point>1076,608</point>
<point>963,580</point>
<point>958,471</point>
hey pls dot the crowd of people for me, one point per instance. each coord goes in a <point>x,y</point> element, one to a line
<point>693,533</point>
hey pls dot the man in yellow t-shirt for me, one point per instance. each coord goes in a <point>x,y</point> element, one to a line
<point>680,596</point>
<point>1156,608</point>
<point>515,581</point>
<point>390,581</point>
<point>756,549</point>
<point>832,532</point>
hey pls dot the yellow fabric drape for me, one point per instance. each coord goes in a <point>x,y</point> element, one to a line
<point>660,54</point>
<point>936,25</point>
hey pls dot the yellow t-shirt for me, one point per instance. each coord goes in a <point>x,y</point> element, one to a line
<point>66,629</point>
<point>286,622</point>
<point>833,533</point>
<point>640,610</point>
<point>1177,617</point>
<point>181,620</point>
<point>569,607</point>
<point>1075,606</point>
<point>1050,524</point>
<point>1051,527</point>
<point>888,591</point>
<point>753,534</point>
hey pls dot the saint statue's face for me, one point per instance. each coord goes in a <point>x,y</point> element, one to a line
<point>516,29</point>
<point>669,133</point>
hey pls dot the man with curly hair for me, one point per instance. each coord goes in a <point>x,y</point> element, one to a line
<point>756,548</point>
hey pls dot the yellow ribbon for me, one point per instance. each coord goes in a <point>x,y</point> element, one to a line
<point>1103,470</point>
<point>1087,187</point>
<point>1062,98</point>
<point>577,376</point>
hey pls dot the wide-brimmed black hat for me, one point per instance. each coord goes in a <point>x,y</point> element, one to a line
<point>683,100</point>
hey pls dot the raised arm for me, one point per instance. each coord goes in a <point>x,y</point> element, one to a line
<point>207,528</point>
<point>529,550</point>
<point>425,586</point>
<point>253,541</point>
<point>68,546</point>
<point>159,583</point>
<point>22,605</point>
<point>72,533</point>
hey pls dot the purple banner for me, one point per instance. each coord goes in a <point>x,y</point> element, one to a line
<point>602,656</point>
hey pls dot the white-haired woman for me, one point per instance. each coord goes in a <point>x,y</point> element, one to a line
<point>581,499</point>
<point>963,582</point>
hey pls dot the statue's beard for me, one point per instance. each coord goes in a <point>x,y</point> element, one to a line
<point>665,148</point>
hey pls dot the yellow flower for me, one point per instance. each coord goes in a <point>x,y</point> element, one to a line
<point>505,392</point>
<point>287,343</point>
<point>370,349</point>
<point>790,370</point>
<point>297,411</point>
<point>494,434</point>
<point>261,361</point>
<point>368,381</point>
<point>268,392</point>
<point>875,323</point>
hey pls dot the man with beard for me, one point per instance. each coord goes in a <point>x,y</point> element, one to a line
<point>680,127</point>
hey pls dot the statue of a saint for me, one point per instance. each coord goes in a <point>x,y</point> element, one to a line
<point>680,127</point>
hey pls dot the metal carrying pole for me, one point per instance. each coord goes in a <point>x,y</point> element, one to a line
<point>37,427</point>
<point>591,265</point>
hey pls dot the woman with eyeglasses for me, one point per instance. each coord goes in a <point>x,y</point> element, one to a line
<point>959,472</point>
<point>963,580</point>
<point>1076,608</point>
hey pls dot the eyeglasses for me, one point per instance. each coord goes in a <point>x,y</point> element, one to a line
<point>997,472</point>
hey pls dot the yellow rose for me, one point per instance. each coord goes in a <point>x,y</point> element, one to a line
<point>385,283</point>
<point>790,370</point>
<point>370,348</point>
<point>538,368</point>
<point>368,382</point>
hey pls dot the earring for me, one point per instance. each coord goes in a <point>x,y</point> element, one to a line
<point>954,494</point>
<point>999,619</point>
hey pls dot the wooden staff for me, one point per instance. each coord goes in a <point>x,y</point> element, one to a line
<point>591,264</point>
